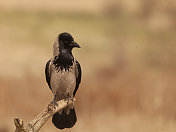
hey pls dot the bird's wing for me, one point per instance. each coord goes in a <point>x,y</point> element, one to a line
<point>47,73</point>
<point>78,76</point>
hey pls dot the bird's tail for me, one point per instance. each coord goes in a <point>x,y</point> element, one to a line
<point>64,120</point>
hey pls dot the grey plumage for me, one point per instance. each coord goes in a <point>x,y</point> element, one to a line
<point>63,75</point>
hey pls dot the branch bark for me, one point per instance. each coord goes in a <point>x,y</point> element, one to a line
<point>41,119</point>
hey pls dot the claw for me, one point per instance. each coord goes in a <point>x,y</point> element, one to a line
<point>67,100</point>
<point>53,102</point>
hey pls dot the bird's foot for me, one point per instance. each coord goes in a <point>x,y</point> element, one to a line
<point>72,99</point>
<point>54,103</point>
<point>52,106</point>
<point>67,100</point>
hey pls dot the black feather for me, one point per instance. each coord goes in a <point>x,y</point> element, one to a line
<point>47,74</point>
<point>63,61</point>
<point>62,121</point>
<point>78,78</point>
<point>65,37</point>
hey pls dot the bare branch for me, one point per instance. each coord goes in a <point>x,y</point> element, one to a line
<point>40,120</point>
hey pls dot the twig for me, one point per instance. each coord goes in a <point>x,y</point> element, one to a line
<point>40,120</point>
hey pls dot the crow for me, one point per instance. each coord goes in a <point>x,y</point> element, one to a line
<point>63,75</point>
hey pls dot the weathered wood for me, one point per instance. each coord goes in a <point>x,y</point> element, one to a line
<point>41,119</point>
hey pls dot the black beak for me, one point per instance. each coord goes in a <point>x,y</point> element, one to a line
<point>74,44</point>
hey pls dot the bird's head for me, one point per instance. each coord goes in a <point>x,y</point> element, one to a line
<point>66,41</point>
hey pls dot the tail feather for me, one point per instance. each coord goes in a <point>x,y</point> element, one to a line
<point>63,120</point>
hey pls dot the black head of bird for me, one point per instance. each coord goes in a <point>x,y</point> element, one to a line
<point>66,41</point>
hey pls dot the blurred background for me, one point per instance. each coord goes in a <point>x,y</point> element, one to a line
<point>127,58</point>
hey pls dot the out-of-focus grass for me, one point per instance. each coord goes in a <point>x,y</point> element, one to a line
<point>128,69</point>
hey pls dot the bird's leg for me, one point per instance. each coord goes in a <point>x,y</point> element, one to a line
<point>68,97</point>
<point>53,102</point>
<point>72,98</point>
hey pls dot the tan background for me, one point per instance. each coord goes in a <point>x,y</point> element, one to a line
<point>127,57</point>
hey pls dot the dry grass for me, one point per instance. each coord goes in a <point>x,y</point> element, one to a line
<point>128,63</point>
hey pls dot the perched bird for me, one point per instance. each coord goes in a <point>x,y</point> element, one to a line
<point>63,75</point>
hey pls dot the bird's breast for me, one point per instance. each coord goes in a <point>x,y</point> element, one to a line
<point>63,82</point>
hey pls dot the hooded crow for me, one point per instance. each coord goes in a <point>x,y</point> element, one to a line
<point>63,75</point>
